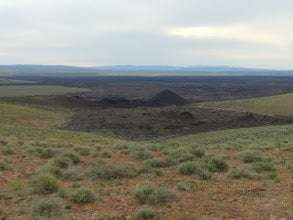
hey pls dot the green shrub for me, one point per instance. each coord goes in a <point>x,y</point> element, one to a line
<point>157,163</point>
<point>101,170</point>
<point>179,156</point>
<point>141,154</point>
<point>106,154</point>
<point>242,173</point>
<point>65,160</point>
<point>44,184</point>
<point>45,152</point>
<point>250,156</point>
<point>198,152</point>
<point>104,171</point>
<point>5,165</point>
<point>48,209</point>
<point>186,186</point>
<point>129,171</point>
<point>152,195</point>
<point>48,153</point>
<point>61,162</point>
<point>264,166</point>
<point>216,165</point>
<point>83,196</point>
<point>50,168</point>
<point>83,151</point>
<point>121,146</point>
<point>188,168</point>
<point>145,213</point>
<point>148,171</point>
<point>63,193</point>
<point>16,185</point>
<point>72,173</point>
<point>72,156</point>
<point>194,168</point>
<point>7,151</point>
<point>34,150</point>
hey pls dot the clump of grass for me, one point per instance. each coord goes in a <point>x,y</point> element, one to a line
<point>65,160</point>
<point>149,194</point>
<point>180,155</point>
<point>251,156</point>
<point>83,151</point>
<point>72,173</point>
<point>157,163</point>
<point>44,184</point>
<point>16,184</point>
<point>7,151</point>
<point>141,154</point>
<point>264,166</point>
<point>51,169</point>
<point>216,165</point>
<point>197,152</point>
<point>5,165</point>
<point>74,158</point>
<point>186,186</point>
<point>102,170</point>
<point>188,168</point>
<point>242,173</point>
<point>64,193</point>
<point>61,162</point>
<point>121,146</point>
<point>146,213</point>
<point>50,208</point>
<point>194,168</point>
<point>149,171</point>
<point>44,152</point>
<point>106,154</point>
<point>82,195</point>
<point>48,153</point>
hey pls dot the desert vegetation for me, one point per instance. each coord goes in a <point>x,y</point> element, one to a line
<point>50,172</point>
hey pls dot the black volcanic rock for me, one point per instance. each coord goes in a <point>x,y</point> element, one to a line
<point>165,98</point>
<point>121,102</point>
<point>186,116</point>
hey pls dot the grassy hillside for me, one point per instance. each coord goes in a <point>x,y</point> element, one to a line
<point>29,90</point>
<point>29,116</point>
<point>47,173</point>
<point>273,105</point>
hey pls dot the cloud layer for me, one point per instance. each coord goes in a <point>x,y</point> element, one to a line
<point>254,33</point>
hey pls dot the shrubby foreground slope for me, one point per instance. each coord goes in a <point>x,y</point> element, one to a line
<point>47,173</point>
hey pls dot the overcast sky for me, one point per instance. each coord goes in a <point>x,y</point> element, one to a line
<point>251,33</point>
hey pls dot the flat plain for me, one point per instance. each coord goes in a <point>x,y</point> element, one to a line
<point>31,90</point>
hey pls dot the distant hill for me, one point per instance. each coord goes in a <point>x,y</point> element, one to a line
<point>59,70</point>
<point>179,68</point>
<point>45,70</point>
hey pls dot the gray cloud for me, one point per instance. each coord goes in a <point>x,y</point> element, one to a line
<point>90,32</point>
